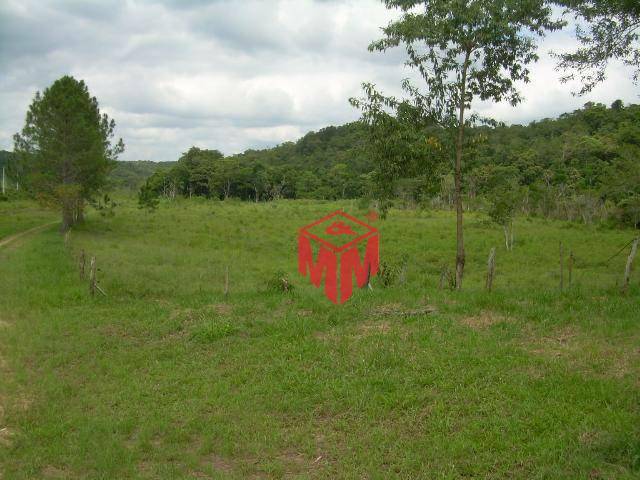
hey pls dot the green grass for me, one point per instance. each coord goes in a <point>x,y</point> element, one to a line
<point>19,215</point>
<point>167,378</point>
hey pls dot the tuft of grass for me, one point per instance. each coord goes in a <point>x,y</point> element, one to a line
<point>213,329</point>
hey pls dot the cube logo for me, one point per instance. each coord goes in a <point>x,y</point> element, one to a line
<point>337,240</point>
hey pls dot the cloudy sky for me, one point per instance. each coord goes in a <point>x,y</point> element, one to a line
<point>228,74</point>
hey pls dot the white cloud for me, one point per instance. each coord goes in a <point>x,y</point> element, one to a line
<point>227,74</point>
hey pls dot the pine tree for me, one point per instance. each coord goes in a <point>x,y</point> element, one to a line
<point>66,147</point>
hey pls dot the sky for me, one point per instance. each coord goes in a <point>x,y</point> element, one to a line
<point>231,74</point>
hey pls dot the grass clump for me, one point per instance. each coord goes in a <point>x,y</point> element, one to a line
<point>213,329</point>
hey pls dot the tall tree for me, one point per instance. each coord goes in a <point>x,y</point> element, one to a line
<point>195,167</point>
<point>66,147</point>
<point>606,29</point>
<point>463,50</point>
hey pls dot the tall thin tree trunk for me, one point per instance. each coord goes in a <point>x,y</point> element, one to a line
<point>460,257</point>
<point>627,270</point>
<point>510,235</point>
<point>80,211</point>
<point>67,217</point>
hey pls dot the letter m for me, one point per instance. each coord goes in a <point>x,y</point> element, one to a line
<point>350,264</point>
<point>326,262</point>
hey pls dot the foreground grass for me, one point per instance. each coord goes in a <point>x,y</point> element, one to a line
<point>167,378</point>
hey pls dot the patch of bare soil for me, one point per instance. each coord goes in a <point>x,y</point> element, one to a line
<point>51,471</point>
<point>560,343</point>
<point>588,438</point>
<point>221,308</point>
<point>372,328</point>
<point>294,458</point>
<point>184,314</point>
<point>399,310</point>
<point>593,356</point>
<point>6,436</point>
<point>215,462</point>
<point>484,320</point>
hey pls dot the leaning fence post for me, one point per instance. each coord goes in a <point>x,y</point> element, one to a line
<point>491,268</point>
<point>92,276</point>
<point>627,268</point>
<point>82,263</point>
<point>570,265</point>
<point>443,276</point>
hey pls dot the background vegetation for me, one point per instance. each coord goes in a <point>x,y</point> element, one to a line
<point>581,167</point>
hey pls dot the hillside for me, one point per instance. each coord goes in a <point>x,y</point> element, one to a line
<point>581,165</point>
<point>130,175</point>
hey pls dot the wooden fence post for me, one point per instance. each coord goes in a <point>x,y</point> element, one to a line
<point>491,268</point>
<point>570,265</point>
<point>402,278</point>
<point>443,276</point>
<point>82,262</point>
<point>92,276</point>
<point>627,268</point>
<point>561,267</point>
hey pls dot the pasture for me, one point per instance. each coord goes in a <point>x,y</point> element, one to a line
<point>165,377</point>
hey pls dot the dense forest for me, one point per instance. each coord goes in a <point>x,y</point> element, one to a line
<point>584,165</point>
<point>330,163</point>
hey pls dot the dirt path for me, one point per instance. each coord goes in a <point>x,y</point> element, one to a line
<point>7,240</point>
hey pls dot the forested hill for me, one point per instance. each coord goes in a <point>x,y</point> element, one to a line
<point>132,174</point>
<point>582,164</point>
<point>318,150</point>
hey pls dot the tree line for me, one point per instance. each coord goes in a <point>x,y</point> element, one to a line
<point>329,164</point>
<point>581,166</point>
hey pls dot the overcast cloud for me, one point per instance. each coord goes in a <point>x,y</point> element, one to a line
<point>228,74</point>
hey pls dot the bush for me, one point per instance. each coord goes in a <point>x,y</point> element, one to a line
<point>388,273</point>
<point>148,198</point>
<point>280,283</point>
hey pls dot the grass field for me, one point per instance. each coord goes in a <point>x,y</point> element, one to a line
<point>167,378</point>
<point>20,215</point>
